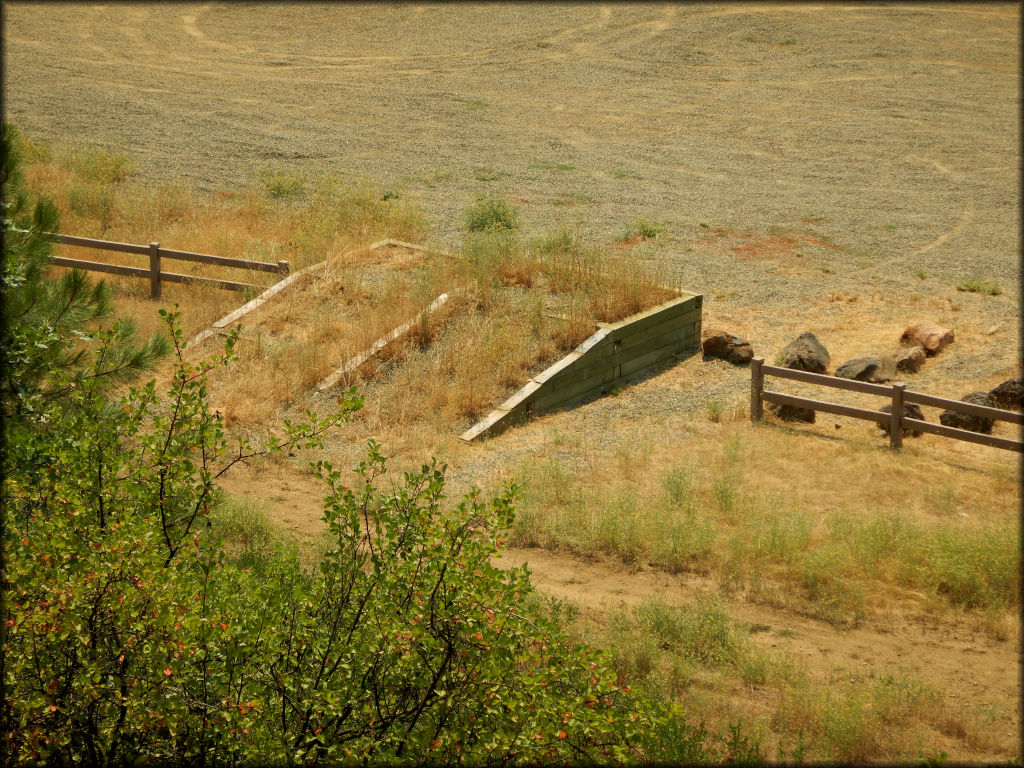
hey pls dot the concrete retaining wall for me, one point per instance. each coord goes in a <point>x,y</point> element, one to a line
<point>614,354</point>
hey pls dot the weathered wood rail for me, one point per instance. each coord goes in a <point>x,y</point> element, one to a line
<point>897,394</point>
<point>156,254</point>
<point>614,354</point>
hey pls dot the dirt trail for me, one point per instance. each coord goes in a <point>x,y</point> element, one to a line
<point>972,669</point>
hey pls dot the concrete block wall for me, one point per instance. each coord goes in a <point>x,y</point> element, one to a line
<point>613,355</point>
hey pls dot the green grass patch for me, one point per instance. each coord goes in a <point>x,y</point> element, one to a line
<point>980,286</point>
<point>490,212</point>
<point>471,104</point>
<point>282,184</point>
<point>100,165</point>
<point>551,165</point>
<point>643,229</point>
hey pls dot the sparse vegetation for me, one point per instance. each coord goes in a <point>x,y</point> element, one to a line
<point>529,299</point>
<point>470,103</point>
<point>985,287</point>
<point>490,212</point>
<point>642,229</point>
<point>551,165</point>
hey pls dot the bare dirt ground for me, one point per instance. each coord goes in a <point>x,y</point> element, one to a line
<point>836,169</point>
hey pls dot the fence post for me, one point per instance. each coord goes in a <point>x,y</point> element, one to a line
<point>756,384</point>
<point>282,267</point>
<point>154,270</point>
<point>896,422</point>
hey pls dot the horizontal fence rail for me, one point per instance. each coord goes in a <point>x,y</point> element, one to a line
<point>897,394</point>
<point>156,254</point>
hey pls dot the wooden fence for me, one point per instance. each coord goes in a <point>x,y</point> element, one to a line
<point>897,394</point>
<point>156,253</point>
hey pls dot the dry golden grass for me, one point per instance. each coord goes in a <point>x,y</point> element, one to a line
<point>514,306</point>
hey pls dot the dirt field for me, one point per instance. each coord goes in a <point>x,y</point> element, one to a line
<point>838,169</point>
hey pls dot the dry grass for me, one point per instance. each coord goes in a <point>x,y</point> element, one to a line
<point>881,539</point>
<point>897,539</point>
<point>97,197</point>
<point>698,657</point>
<point>515,306</point>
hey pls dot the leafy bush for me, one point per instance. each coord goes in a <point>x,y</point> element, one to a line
<point>490,212</point>
<point>130,633</point>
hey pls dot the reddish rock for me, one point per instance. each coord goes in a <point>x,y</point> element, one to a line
<point>932,338</point>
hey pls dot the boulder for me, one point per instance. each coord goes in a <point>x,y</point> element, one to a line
<point>932,338</point>
<point>867,369</point>
<point>793,413</point>
<point>727,347</point>
<point>910,359</point>
<point>1009,394</point>
<point>910,411</point>
<point>967,420</point>
<point>806,353</point>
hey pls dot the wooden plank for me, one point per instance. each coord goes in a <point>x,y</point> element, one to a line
<point>756,385</point>
<point>818,405</point>
<point>553,401</point>
<point>222,261</point>
<point>959,405</point>
<point>521,396</point>
<point>228,285</point>
<point>103,245</point>
<point>618,347</point>
<point>574,388</point>
<point>354,362</point>
<point>964,434</point>
<point>671,342</point>
<point>630,336</point>
<point>828,381</point>
<point>557,369</point>
<point>635,367</point>
<point>272,291</point>
<point>659,314</point>
<point>97,266</point>
<point>482,427</point>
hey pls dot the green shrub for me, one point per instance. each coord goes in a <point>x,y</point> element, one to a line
<point>490,212</point>
<point>282,184</point>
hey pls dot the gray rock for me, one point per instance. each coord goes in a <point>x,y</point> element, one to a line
<point>910,411</point>
<point>728,347</point>
<point>794,413</point>
<point>933,338</point>
<point>1009,394</point>
<point>859,369</point>
<point>910,359</point>
<point>806,353</point>
<point>967,420</point>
